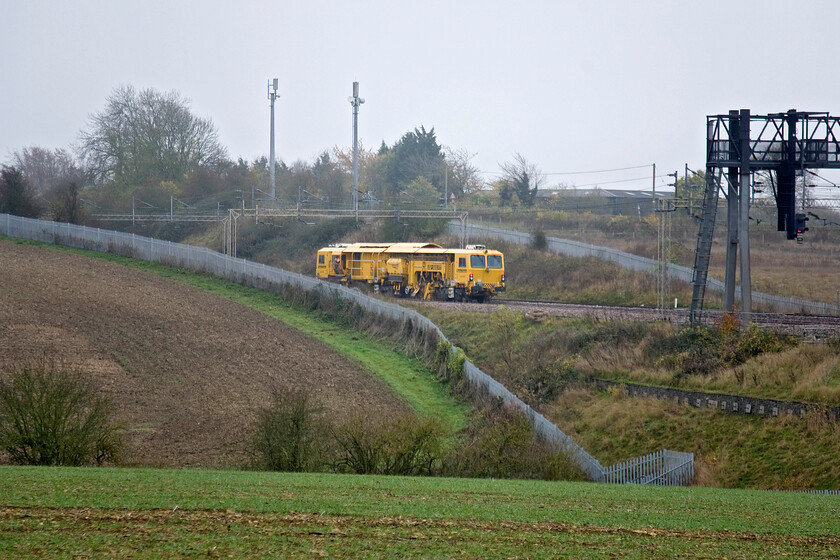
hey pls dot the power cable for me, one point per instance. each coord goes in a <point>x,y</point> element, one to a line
<point>578,172</point>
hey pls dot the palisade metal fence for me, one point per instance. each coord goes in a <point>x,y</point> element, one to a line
<point>571,248</point>
<point>245,272</point>
<point>662,468</point>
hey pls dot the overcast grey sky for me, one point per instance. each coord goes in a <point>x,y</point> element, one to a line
<point>571,85</point>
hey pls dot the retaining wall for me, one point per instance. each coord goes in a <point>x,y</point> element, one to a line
<point>726,403</point>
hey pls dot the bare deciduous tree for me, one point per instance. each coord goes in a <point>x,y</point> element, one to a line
<point>464,177</point>
<point>46,170</point>
<point>147,135</point>
<point>523,179</point>
<point>66,204</point>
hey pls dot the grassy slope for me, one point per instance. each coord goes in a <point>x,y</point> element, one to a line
<point>731,451</point>
<point>63,513</point>
<point>618,351</point>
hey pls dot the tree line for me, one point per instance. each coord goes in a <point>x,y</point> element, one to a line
<point>148,145</point>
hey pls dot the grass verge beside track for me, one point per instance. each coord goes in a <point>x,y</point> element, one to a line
<point>139,513</point>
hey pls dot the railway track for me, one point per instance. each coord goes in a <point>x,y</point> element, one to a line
<point>801,325</point>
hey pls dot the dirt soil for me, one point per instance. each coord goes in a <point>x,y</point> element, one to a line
<point>187,370</point>
<point>174,533</point>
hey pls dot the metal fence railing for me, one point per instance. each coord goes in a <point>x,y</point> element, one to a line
<point>662,468</point>
<point>245,272</point>
<point>571,248</point>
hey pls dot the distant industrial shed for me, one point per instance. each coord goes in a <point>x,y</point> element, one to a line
<point>618,202</point>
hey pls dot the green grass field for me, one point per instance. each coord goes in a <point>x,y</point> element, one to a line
<point>131,513</point>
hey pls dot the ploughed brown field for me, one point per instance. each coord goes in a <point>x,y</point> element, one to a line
<point>187,370</point>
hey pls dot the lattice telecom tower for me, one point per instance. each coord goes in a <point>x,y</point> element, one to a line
<point>737,145</point>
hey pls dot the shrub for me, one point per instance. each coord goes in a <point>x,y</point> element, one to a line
<point>755,341</point>
<point>287,433</point>
<point>449,364</point>
<point>546,381</point>
<point>701,350</point>
<point>728,323</point>
<point>504,338</point>
<point>360,447</point>
<point>16,194</point>
<point>539,240</point>
<point>404,445</point>
<point>699,361</point>
<point>52,416</point>
<point>501,443</point>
